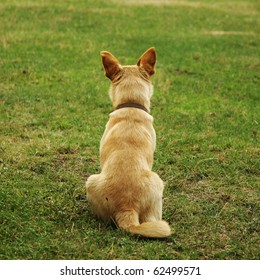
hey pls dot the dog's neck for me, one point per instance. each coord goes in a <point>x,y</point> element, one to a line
<point>132,105</point>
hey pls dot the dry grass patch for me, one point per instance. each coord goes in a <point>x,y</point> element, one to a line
<point>237,7</point>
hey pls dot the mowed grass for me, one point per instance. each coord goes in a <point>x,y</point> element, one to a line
<point>54,106</point>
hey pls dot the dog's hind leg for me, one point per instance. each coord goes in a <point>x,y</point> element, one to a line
<point>154,200</point>
<point>95,196</point>
<point>91,185</point>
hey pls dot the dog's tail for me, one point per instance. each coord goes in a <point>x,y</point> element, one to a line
<point>128,221</point>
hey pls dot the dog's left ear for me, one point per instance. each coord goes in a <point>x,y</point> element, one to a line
<point>111,65</point>
<point>147,61</point>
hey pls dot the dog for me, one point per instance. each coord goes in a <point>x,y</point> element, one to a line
<point>127,191</point>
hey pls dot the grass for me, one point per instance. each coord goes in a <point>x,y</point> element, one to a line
<point>54,106</point>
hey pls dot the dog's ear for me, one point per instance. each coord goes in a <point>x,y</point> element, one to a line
<point>147,61</point>
<point>111,65</point>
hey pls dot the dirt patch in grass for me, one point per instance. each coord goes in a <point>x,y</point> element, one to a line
<point>228,33</point>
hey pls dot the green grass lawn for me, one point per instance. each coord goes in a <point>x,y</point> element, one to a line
<point>54,106</point>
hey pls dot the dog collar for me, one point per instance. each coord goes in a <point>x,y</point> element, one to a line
<point>131,105</point>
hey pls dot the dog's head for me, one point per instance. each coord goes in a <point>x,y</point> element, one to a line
<point>130,83</point>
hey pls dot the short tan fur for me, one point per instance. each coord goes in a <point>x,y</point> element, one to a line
<point>127,191</point>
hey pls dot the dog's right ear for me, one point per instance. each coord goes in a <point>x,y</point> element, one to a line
<point>111,65</point>
<point>147,61</point>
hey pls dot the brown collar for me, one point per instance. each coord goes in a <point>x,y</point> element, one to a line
<point>131,105</point>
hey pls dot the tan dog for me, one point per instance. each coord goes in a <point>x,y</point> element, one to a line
<point>127,191</point>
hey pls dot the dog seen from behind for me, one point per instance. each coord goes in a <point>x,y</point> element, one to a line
<point>127,191</point>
